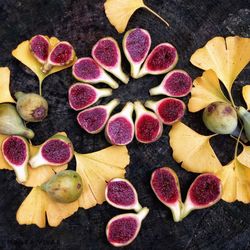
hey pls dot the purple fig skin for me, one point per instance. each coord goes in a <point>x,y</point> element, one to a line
<point>120,193</point>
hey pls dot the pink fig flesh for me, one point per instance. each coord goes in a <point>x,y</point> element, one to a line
<point>39,46</point>
<point>62,54</point>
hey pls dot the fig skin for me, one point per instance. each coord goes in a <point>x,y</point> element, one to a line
<point>245,117</point>
<point>64,187</point>
<point>31,107</point>
<point>220,118</point>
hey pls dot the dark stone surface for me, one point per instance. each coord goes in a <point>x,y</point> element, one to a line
<point>83,22</point>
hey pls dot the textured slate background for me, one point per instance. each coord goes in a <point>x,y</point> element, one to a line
<point>83,22</point>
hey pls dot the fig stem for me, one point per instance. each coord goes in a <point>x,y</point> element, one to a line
<point>177,211</point>
<point>185,211</point>
<point>37,161</point>
<point>156,90</point>
<point>19,94</point>
<point>151,105</point>
<point>128,109</point>
<point>138,207</point>
<point>139,108</point>
<point>112,104</point>
<point>143,213</point>
<point>109,80</point>
<point>104,92</point>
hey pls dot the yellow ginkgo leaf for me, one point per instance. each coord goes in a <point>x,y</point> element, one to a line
<point>38,205</point>
<point>205,91</point>
<point>119,12</point>
<point>3,163</point>
<point>225,56</point>
<point>193,150</point>
<point>244,156</point>
<point>246,95</point>
<point>96,169</point>
<point>5,95</point>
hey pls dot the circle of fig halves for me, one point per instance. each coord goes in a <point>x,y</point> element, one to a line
<point>120,128</point>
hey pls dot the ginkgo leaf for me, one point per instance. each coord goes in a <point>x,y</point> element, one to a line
<point>205,91</point>
<point>96,169</point>
<point>5,95</point>
<point>38,205</point>
<point>246,95</point>
<point>119,12</point>
<point>193,150</point>
<point>225,56</point>
<point>244,156</point>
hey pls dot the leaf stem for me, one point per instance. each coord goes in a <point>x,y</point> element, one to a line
<point>40,88</point>
<point>237,144</point>
<point>231,99</point>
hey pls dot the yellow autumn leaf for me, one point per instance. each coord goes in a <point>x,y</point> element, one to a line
<point>96,169</point>
<point>246,95</point>
<point>5,95</point>
<point>119,12</point>
<point>244,156</point>
<point>38,206</point>
<point>193,150</point>
<point>205,91</point>
<point>225,56</point>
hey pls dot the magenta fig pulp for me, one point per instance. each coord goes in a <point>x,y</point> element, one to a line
<point>120,193</point>
<point>82,95</point>
<point>106,53</point>
<point>122,229</point>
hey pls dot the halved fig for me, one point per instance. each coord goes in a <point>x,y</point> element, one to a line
<point>86,69</point>
<point>136,45</point>
<point>120,127</point>
<point>120,193</point>
<point>176,83</point>
<point>83,95</point>
<point>122,229</point>
<point>62,54</point>
<point>107,54</point>
<point>15,151</point>
<point>93,120</point>
<point>40,47</point>
<point>161,59</point>
<point>204,192</point>
<point>166,187</point>
<point>169,110</point>
<point>148,128</point>
<point>56,151</point>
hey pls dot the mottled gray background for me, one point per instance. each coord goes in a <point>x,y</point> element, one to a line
<point>83,22</point>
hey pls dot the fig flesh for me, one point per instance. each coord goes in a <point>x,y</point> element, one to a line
<point>93,120</point>
<point>120,127</point>
<point>11,123</point>
<point>83,95</point>
<point>176,83</point>
<point>220,118</point>
<point>120,193</point>
<point>122,229</point>
<point>166,187</point>
<point>86,69</point>
<point>31,107</point>
<point>107,54</point>
<point>169,110</point>
<point>56,151</point>
<point>15,151</point>
<point>64,187</point>
<point>136,45</point>
<point>161,59</point>
<point>148,128</point>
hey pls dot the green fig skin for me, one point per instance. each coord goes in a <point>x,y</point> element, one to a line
<point>245,117</point>
<point>31,107</point>
<point>11,123</point>
<point>220,118</point>
<point>64,187</point>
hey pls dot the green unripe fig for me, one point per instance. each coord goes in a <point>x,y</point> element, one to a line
<point>64,187</point>
<point>245,117</point>
<point>220,118</point>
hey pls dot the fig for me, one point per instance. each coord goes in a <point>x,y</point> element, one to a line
<point>161,59</point>
<point>82,95</point>
<point>93,120</point>
<point>204,192</point>
<point>15,150</point>
<point>62,54</point>
<point>107,54</point>
<point>56,151</point>
<point>148,128</point>
<point>176,83</point>
<point>64,187</point>
<point>11,123</point>
<point>86,69</point>
<point>245,117</point>
<point>120,127</point>
<point>166,187</point>
<point>31,107</point>
<point>169,110</point>
<point>40,47</point>
<point>122,229</point>
<point>120,193</point>
<point>136,45</point>
<point>220,118</point>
